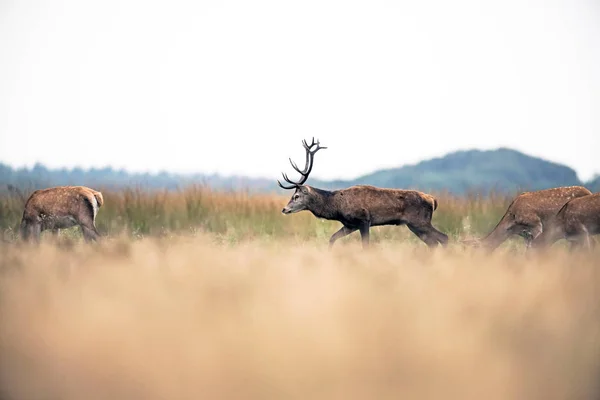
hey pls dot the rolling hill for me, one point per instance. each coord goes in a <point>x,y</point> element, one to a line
<point>503,170</point>
<point>594,184</point>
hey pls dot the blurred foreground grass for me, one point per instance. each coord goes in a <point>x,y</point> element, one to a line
<point>186,317</point>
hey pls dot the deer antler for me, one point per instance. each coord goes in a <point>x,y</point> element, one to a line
<point>310,154</point>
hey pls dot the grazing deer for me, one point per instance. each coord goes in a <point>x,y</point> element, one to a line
<point>60,208</point>
<point>529,213</point>
<point>576,221</point>
<point>361,207</point>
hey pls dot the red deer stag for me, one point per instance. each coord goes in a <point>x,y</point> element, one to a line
<point>60,208</point>
<point>361,207</point>
<point>576,222</point>
<point>529,213</point>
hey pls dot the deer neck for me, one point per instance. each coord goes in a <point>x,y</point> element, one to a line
<point>322,204</point>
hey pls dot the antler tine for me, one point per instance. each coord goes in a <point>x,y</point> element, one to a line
<point>313,143</point>
<point>288,180</point>
<point>295,166</point>
<point>310,155</point>
<point>319,147</point>
<point>306,146</point>
<point>307,168</point>
<point>285,187</point>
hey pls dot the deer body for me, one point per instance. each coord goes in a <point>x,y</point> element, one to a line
<point>361,207</point>
<point>529,213</point>
<point>60,208</point>
<point>576,221</point>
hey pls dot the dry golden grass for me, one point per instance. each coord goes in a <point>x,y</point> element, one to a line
<point>239,216</point>
<point>190,317</point>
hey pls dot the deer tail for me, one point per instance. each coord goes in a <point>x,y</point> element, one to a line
<point>99,198</point>
<point>431,200</point>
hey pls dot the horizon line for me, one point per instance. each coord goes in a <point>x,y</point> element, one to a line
<point>261,177</point>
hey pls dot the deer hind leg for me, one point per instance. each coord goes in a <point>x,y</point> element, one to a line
<point>428,234</point>
<point>419,223</point>
<point>87,220</point>
<point>364,234</point>
<point>441,237</point>
<point>344,231</point>
<point>89,234</point>
<point>88,228</point>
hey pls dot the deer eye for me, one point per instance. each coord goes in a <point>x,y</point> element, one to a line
<point>296,197</point>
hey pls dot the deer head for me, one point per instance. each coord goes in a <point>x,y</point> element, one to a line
<point>301,197</point>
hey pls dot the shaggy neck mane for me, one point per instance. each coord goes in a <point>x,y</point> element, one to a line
<point>322,206</point>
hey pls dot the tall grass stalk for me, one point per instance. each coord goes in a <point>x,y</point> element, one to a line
<point>239,215</point>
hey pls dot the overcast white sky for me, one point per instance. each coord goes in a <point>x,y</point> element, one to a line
<point>233,86</point>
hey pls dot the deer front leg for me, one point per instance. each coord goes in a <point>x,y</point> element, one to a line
<point>529,229</point>
<point>31,228</point>
<point>344,231</point>
<point>35,230</point>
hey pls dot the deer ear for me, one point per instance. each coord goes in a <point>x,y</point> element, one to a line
<point>305,189</point>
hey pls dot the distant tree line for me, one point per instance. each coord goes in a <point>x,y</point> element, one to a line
<point>40,176</point>
<point>502,170</point>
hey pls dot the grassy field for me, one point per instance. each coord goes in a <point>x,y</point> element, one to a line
<point>196,294</point>
<point>239,216</point>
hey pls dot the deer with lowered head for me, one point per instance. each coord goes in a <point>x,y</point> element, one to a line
<point>60,208</point>
<point>576,221</point>
<point>361,207</point>
<point>528,215</point>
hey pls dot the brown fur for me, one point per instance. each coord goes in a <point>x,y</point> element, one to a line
<point>361,207</point>
<point>529,213</point>
<point>59,208</point>
<point>576,221</point>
